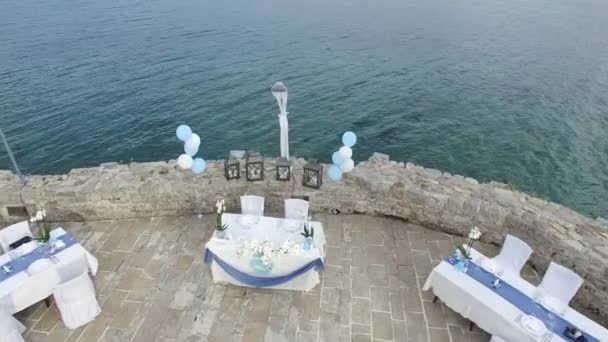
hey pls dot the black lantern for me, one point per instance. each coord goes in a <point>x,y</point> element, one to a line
<point>283,170</point>
<point>254,166</point>
<point>313,174</point>
<point>232,168</point>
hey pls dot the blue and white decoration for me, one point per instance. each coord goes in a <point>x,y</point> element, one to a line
<point>342,159</point>
<point>192,142</point>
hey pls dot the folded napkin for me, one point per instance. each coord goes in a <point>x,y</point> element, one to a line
<point>24,249</point>
<point>552,304</point>
<point>492,266</point>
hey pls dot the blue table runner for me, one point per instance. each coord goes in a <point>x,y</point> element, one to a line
<point>554,322</point>
<point>43,251</point>
<point>256,281</point>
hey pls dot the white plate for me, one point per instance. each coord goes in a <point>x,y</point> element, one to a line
<point>533,326</point>
<point>491,266</point>
<point>39,265</point>
<point>247,220</point>
<point>552,303</point>
<point>292,225</point>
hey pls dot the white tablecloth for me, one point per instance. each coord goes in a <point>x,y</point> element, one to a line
<point>23,290</point>
<point>271,229</point>
<point>488,310</point>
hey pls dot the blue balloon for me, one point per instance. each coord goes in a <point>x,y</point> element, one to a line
<point>198,165</point>
<point>349,139</point>
<point>336,158</point>
<point>334,173</point>
<point>190,150</point>
<point>183,132</point>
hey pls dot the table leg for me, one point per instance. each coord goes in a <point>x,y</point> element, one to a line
<point>435,299</point>
<point>47,302</point>
<point>471,325</point>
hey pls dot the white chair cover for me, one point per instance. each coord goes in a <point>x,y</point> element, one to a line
<point>252,205</point>
<point>497,339</point>
<point>13,233</point>
<point>76,301</point>
<point>296,209</point>
<point>559,283</point>
<point>10,328</point>
<point>513,255</point>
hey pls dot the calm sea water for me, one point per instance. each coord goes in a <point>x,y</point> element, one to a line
<point>514,91</point>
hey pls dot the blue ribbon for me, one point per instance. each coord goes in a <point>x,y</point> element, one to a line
<point>255,281</point>
<point>554,322</point>
<point>22,263</point>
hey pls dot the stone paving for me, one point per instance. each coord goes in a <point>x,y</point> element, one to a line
<point>153,286</point>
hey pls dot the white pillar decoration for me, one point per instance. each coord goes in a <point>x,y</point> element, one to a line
<point>279,90</point>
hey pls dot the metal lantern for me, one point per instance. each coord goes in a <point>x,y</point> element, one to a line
<point>283,170</point>
<point>254,166</point>
<point>313,174</point>
<point>232,168</point>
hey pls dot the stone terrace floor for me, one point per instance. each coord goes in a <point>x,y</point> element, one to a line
<point>153,286</point>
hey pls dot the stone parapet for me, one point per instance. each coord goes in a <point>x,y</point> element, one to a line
<point>449,203</point>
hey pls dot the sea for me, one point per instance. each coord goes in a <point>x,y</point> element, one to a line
<point>510,91</point>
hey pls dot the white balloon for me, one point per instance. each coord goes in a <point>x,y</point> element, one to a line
<point>347,166</point>
<point>194,140</point>
<point>191,148</point>
<point>184,161</point>
<point>346,152</point>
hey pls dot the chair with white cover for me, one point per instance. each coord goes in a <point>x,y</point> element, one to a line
<point>252,205</point>
<point>10,328</point>
<point>513,255</point>
<point>296,209</point>
<point>558,287</point>
<point>13,233</point>
<point>76,301</point>
<point>497,339</point>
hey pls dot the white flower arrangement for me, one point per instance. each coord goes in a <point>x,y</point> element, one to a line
<point>40,215</point>
<point>220,209</point>
<point>475,233</point>
<point>220,206</point>
<point>265,251</point>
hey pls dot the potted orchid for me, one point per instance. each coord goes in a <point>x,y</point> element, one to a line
<point>220,209</point>
<point>464,250</point>
<point>308,234</point>
<point>44,229</point>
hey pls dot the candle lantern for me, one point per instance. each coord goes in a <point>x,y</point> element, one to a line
<point>254,166</point>
<point>232,168</point>
<point>283,170</point>
<point>313,174</point>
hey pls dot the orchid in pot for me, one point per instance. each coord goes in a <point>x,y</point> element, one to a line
<point>463,251</point>
<point>308,234</point>
<point>220,227</point>
<point>44,228</point>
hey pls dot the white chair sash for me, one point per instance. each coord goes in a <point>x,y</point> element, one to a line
<point>13,233</point>
<point>296,209</point>
<point>76,301</point>
<point>252,205</point>
<point>513,255</point>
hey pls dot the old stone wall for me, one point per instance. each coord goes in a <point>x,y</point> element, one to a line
<point>449,203</point>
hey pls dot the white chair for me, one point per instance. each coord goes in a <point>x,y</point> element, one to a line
<point>296,209</point>
<point>10,328</point>
<point>497,339</point>
<point>13,233</point>
<point>76,301</point>
<point>559,284</point>
<point>513,255</point>
<point>252,205</point>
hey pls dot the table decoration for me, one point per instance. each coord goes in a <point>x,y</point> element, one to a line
<point>463,252</point>
<point>308,234</point>
<point>44,229</point>
<point>220,209</point>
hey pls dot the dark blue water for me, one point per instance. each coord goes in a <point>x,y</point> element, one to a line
<point>514,91</point>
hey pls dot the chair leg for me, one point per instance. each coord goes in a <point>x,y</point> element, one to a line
<point>47,302</point>
<point>435,299</point>
<point>471,325</point>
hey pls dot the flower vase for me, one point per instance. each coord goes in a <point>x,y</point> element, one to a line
<point>462,265</point>
<point>258,266</point>
<point>222,234</point>
<point>308,244</point>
